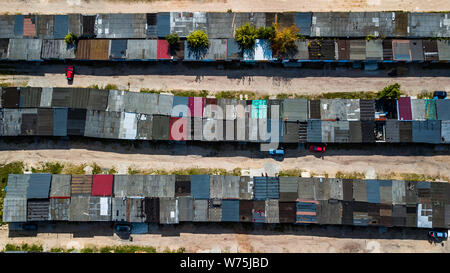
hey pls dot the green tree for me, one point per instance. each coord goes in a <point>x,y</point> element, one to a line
<point>284,39</point>
<point>246,35</point>
<point>70,38</point>
<point>172,38</point>
<point>198,40</point>
<point>267,33</point>
<point>390,92</point>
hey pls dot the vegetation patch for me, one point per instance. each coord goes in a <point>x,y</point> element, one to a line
<point>16,167</point>
<point>23,247</point>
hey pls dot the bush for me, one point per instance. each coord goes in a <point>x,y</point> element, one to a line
<point>245,36</point>
<point>284,40</point>
<point>70,38</point>
<point>198,39</point>
<point>96,169</point>
<point>390,92</point>
<point>49,167</point>
<point>266,32</point>
<point>172,39</point>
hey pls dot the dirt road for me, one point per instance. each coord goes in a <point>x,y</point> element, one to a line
<point>417,160</point>
<point>146,6</point>
<point>202,238</point>
<point>262,79</point>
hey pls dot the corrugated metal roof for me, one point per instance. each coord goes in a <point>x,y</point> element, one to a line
<point>142,49</point>
<point>445,131</point>
<point>121,25</point>
<point>25,49</point>
<point>230,187</point>
<point>30,26</point>
<point>151,210</point>
<point>38,210</point>
<point>39,185</point>
<point>4,43</point>
<point>295,109</point>
<point>200,186</point>
<point>428,131</point>
<point>135,209</point>
<point>46,97</point>
<point>161,127</point>
<point>287,212</point>
<point>14,209</point>
<point>17,186</point>
<point>30,97</point>
<point>168,211</point>
<point>314,131</point>
<point>444,50</point>
<point>428,24</point>
<point>185,208</point>
<point>183,23</point>
<point>443,109</point>
<point>163,24</point>
<point>217,50</point>
<point>119,209</point>
<point>61,26</point>
<point>8,26</point>
<point>45,26</point>
<point>164,50</point>
<point>45,122</point>
<point>230,210</point>
<point>357,50</point>
<point>60,116</point>
<point>374,50</point>
<point>430,50</point>
<point>418,109</point>
<point>201,211</point>
<point>151,26</point>
<point>102,185</point>
<point>74,24</point>
<point>60,186</point>
<point>59,209</point>
<point>416,48</point>
<point>81,184</point>
<point>76,122</point>
<point>128,126</point>
<point>79,208</point>
<point>118,49</point>
<point>12,119</point>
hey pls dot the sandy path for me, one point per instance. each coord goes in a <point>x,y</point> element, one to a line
<point>117,6</point>
<point>177,157</point>
<point>263,79</point>
<point>226,240</point>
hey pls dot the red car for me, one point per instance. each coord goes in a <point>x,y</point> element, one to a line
<point>69,72</point>
<point>315,148</point>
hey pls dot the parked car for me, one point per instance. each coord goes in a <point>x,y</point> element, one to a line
<point>317,148</point>
<point>440,95</point>
<point>276,151</point>
<point>123,228</point>
<point>70,71</point>
<point>437,235</point>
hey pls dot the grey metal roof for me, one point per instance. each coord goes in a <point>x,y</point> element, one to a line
<point>159,186</point>
<point>303,21</point>
<point>442,109</point>
<point>200,211</point>
<point>141,49</point>
<point>314,131</point>
<point>165,103</point>
<point>185,208</point>
<point>230,187</point>
<point>425,24</point>
<point>121,25</point>
<point>233,50</point>
<point>357,50</point>
<point>4,43</point>
<point>215,210</point>
<point>445,131</point>
<point>444,50</point>
<point>79,208</point>
<point>98,99</point>
<point>14,209</point>
<point>74,24</point>
<point>7,26</point>
<point>216,186</point>
<point>295,109</point>
<point>168,210</point>
<point>39,185</point>
<point>428,131</point>
<point>30,96</point>
<point>60,116</point>
<point>24,49</point>
<point>136,209</point>
<point>374,50</point>
<point>46,97</point>
<point>161,127</point>
<point>418,109</point>
<point>45,26</point>
<point>59,209</point>
<point>416,47</point>
<point>144,126</point>
<point>12,119</point>
<point>60,185</point>
<point>217,50</point>
<point>359,190</point>
<point>392,131</point>
<point>183,23</point>
<point>223,25</point>
<point>119,209</point>
<point>340,109</point>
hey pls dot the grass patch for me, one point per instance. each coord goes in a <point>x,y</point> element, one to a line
<point>182,93</point>
<point>236,95</point>
<point>112,170</point>
<point>411,177</point>
<point>49,167</point>
<point>291,172</point>
<point>425,95</point>
<point>74,169</point>
<point>146,90</point>
<point>353,175</point>
<point>23,247</point>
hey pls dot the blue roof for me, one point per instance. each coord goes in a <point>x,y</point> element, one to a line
<point>428,131</point>
<point>39,185</point>
<point>306,206</point>
<point>200,186</point>
<point>118,49</point>
<point>18,25</point>
<point>260,188</point>
<point>273,189</point>
<point>230,210</point>
<point>443,109</point>
<point>258,217</point>
<point>163,24</point>
<point>182,111</point>
<point>61,26</point>
<point>60,121</point>
<point>303,21</point>
<point>373,191</point>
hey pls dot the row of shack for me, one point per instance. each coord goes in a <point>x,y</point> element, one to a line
<point>113,114</point>
<point>305,50</point>
<point>171,199</point>
<point>222,25</point>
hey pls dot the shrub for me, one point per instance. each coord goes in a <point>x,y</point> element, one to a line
<point>284,40</point>
<point>390,92</point>
<point>198,39</point>
<point>49,167</point>
<point>96,169</point>
<point>370,37</point>
<point>70,38</point>
<point>266,32</point>
<point>245,36</point>
<point>111,87</point>
<point>172,38</point>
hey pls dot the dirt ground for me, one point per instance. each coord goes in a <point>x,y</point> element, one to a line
<point>205,238</point>
<point>378,160</point>
<point>263,79</point>
<point>146,6</point>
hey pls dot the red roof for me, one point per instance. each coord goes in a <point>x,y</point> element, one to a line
<point>163,51</point>
<point>178,128</point>
<point>102,184</point>
<point>196,105</point>
<point>404,108</point>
